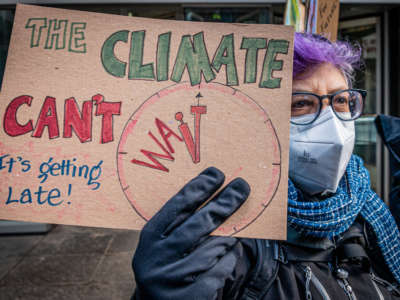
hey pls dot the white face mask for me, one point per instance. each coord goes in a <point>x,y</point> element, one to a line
<point>320,152</point>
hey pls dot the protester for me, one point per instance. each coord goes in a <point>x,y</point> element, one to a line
<point>389,129</point>
<point>342,241</point>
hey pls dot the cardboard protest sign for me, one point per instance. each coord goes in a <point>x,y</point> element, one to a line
<point>105,117</point>
<point>323,17</point>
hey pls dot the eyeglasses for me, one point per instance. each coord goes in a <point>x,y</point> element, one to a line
<point>346,104</point>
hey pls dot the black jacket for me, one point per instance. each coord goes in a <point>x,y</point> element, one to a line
<point>348,267</point>
<point>388,128</point>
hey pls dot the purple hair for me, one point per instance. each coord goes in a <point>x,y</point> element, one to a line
<point>311,50</point>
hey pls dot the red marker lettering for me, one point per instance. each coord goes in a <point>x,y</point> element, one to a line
<point>11,125</point>
<point>81,123</point>
<point>47,117</point>
<point>107,110</point>
<point>150,155</point>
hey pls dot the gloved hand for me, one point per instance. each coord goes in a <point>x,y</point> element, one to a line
<point>176,258</point>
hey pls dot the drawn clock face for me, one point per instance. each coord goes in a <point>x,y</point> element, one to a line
<point>183,129</point>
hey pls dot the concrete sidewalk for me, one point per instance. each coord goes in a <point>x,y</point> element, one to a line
<point>68,262</point>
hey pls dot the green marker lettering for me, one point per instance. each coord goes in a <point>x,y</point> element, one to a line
<point>225,55</point>
<point>36,24</point>
<point>136,68</point>
<point>56,33</point>
<point>163,48</point>
<point>77,35</point>
<point>271,64</point>
<point>195,58</point>
<point>111,63</point>
<point>252,45</point>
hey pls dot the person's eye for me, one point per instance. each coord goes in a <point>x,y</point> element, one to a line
<point>341,100</point>
<point>302,103</point>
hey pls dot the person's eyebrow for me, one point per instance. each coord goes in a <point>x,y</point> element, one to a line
<point>330,91</point>
<point>338,88</point>
<point>295,90</point>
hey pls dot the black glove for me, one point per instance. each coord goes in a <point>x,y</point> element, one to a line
<point>176,258</point>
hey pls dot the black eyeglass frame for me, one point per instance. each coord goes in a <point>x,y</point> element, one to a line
<point>330,97</point>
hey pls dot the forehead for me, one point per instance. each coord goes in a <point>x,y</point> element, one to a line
<point>321,79</point>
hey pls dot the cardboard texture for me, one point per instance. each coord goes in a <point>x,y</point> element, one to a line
<point>328,18</point>
<point>106,117</point>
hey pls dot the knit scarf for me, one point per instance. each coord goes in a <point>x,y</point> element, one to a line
<point>334,215</point>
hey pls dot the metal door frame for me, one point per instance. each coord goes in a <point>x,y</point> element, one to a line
<point>382,92</point>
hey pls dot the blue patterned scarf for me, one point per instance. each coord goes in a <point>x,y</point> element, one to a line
<point>334,215</point>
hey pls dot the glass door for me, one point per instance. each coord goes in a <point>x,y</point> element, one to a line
<point>366,32</point>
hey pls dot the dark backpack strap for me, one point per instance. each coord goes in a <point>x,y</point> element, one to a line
<point>351,251</point>
<point>265,271</point>
<point>301,254</point>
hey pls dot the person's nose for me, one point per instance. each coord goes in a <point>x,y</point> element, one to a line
<point>325,103</point>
